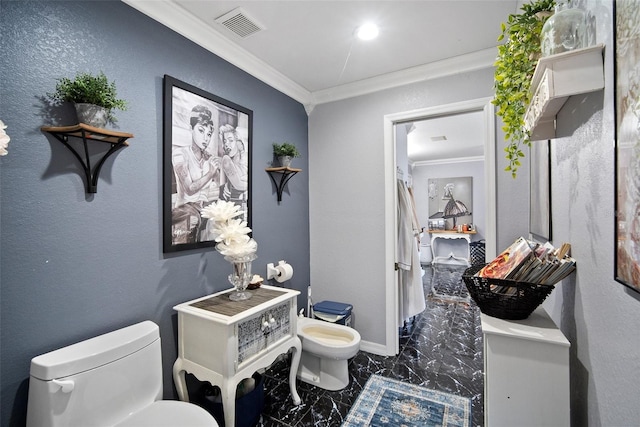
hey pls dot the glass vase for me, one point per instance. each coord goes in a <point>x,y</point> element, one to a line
<point>565,30</point>
<point>241,276</point>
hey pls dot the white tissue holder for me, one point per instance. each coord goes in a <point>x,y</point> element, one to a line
<point>272,271</point>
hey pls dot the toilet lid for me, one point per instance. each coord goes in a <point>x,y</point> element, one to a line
<point>170,413</point>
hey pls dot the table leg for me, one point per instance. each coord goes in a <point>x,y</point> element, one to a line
<point>293,370</point>
<point>228,390</point>
<point>180,381</point>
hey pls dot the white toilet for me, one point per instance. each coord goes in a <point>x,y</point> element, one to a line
<point>114,379</point>
<point>326,350</point>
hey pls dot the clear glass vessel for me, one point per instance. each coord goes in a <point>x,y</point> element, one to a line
<point>565,30</point>
<point>241,276</point>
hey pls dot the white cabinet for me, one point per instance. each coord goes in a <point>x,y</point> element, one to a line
<point>526,366</point>
<point>224,341</point>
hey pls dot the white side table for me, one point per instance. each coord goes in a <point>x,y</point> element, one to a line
<point>439,257</point>
<point>526,368</point>
<point>224,341</point>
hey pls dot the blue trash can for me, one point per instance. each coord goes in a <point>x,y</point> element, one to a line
<point>334,312</point>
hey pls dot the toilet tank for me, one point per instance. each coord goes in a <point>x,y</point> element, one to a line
<point>97,382</point>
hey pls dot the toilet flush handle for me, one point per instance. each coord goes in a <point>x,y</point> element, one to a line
<point>66,386</point>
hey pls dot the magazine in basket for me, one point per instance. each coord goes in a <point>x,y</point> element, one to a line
<point>508,263</point>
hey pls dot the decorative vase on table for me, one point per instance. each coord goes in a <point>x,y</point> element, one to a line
<point>241,275</point>
<point>565,30</point>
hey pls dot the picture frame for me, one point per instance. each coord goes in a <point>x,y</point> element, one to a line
<point>451,199</point>
<point>540,192</point>
<point>206,157</point>
<point>627,143</point>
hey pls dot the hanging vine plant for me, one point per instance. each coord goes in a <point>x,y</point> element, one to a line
<point>515,65</point>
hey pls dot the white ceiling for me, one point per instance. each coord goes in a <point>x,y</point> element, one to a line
<point>308,51</point>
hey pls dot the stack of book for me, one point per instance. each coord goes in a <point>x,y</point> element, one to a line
<point>530,262</point>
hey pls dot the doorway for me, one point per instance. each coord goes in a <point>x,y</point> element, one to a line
<point>390,161</point>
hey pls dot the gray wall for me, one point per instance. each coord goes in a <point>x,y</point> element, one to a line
<point>600,317</point>
<point>75,265</point>
<point>347,233</point>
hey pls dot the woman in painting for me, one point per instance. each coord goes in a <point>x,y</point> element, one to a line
<point>195,169</point>
<point>234,165</point>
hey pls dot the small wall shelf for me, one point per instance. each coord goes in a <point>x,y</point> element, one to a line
<point>85,132</point>
<point>285,174</point>
<point>556,78</point>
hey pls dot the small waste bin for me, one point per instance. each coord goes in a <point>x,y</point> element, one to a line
<point>334,312</point>
<point>249,402</point>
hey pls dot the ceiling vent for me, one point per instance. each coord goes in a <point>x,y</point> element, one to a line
<point>240,23</point>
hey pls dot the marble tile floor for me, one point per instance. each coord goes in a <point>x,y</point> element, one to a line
<point>441,349</point>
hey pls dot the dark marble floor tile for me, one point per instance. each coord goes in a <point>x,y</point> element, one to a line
<point>440,349</point>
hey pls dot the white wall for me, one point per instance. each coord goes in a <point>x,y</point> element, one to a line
<point>346,191</point>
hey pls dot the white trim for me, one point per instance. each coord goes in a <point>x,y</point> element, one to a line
<point>179,20</point>
<point>390,230</point>
<point>391,239</point>
<point>373,348</point>
<point>170,14</point>
<point>447,67</point>
<point>448,161</point>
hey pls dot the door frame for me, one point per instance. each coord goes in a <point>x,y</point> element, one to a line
<point>391,196</point>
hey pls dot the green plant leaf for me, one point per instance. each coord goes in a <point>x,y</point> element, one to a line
<point>514,68</point>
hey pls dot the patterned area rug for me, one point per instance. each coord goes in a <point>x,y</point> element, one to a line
<point>387,402</point>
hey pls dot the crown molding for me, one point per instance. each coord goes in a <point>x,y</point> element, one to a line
<point>447,161</point>
<point>179,20</point>
<point>171,15</point>
<point>447,67</point>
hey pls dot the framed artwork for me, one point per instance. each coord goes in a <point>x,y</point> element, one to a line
<point>207,157</point>
<point>540,194</point>
<point>627,149</point>
<point>450,202</point>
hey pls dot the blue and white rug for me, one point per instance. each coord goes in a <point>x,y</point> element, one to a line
<point>387,402</point>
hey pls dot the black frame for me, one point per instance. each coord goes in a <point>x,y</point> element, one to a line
<point>183,228</point>
<point>627,149</point>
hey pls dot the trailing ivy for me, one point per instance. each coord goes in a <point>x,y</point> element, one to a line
<point>515,64</point>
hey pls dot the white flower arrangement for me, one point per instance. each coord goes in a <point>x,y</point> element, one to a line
<point>4,139</point>
<point>230,233</point>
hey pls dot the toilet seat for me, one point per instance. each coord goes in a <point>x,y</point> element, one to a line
<point>328,339</point>
<point>170,413</point>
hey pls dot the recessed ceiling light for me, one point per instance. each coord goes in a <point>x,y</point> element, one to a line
<point>367,31</point>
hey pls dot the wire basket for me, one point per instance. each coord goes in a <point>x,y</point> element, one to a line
<point>504,299</point>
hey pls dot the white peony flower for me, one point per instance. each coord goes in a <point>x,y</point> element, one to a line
<point>234,230</point>
<point>221,211</point>
<point>4,139</point>
<point>237,249</point>
<point>230,233</point>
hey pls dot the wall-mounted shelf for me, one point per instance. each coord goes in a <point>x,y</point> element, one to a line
<point>556,78</point>
<point>285,174</point>
<point>86,133</point>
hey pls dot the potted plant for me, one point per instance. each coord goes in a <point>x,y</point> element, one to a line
<point>515,65</point>
<point>285,152</point>
<point>93,96</point>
